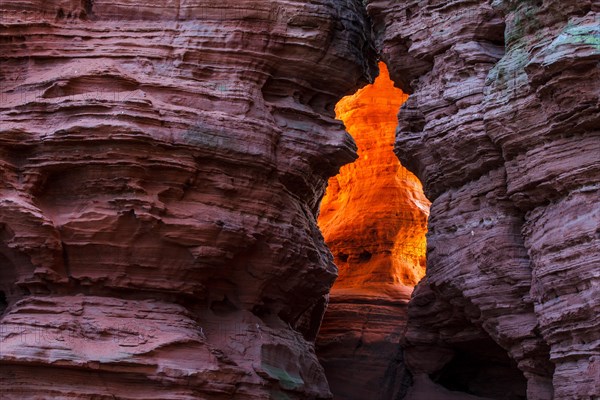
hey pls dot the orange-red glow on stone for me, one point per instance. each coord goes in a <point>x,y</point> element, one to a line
<point>374,213</point>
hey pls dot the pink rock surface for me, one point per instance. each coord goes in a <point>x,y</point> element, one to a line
<point>162,164</point>
<point>161,168</point>
<point>502,129</point>
<point>358,342</point>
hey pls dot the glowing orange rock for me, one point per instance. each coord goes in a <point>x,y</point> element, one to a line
<point>374,214</point>
<point>374,219</point>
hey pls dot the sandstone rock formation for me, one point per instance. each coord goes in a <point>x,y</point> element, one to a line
<point>161,165</point>
<point>373,218</point>
<point>502,129</point>
<point>374,213</point>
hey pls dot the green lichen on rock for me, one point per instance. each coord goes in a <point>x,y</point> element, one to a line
<point>286,380</point>
<point>508,76</point>
<point>524,21</point>
<point>574,41</point>
<point>204,135</point>
<point>584,34</point>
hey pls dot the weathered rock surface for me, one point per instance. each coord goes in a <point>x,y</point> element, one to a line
<point>374,213</point>
<point>373,218</point>
<point>161,165</point>
<point>502,129</point>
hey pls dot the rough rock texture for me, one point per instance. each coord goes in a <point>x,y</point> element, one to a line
<point>502,129</point>
<point>161,165</point>
<point>374,213</point>
<point>373,218</point>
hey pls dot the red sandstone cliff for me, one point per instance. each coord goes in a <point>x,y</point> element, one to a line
<point>161,168</point>
<point>502,129</point>
<point>162,164</point>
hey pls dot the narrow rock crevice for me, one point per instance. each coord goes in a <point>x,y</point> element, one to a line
<point>373,218</point>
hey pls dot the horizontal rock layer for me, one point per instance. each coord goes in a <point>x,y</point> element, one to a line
<point>501,127</point>
<point>161,165</point>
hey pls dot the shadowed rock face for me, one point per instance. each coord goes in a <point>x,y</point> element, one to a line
<point>502,129</point>
<point>161,165</point>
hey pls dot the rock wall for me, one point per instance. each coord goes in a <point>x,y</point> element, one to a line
<point>161,166</point>
<point>374,219</point>
<point>502,129</point>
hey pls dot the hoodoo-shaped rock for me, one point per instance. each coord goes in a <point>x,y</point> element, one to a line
<point>374,219</point>
<point>374,213</point>
<point>161,165</point>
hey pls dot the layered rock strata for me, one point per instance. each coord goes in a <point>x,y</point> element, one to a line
<point>502,129</point>
<point>373,218</point>
<point>161,168</point>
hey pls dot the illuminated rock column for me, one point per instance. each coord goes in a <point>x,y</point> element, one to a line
<point>374,220</point>
<point>374,214</point>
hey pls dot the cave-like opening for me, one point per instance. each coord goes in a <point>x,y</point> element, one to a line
<point>374,220</point>
<point>374,213</point>
<point>482,368</point>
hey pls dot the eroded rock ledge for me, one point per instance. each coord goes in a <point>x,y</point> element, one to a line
<point>502,129</point>
<point>161,165</point>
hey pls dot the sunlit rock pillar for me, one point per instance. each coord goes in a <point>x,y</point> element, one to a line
<point>373,218</point>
